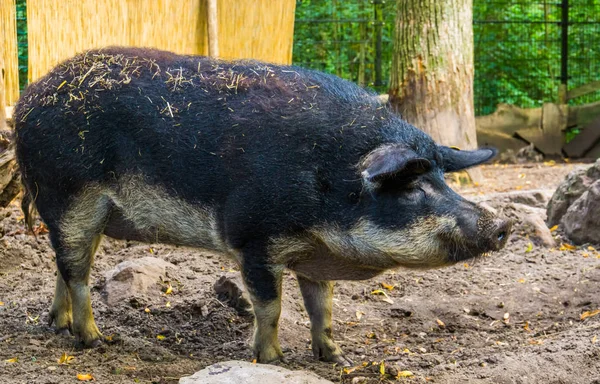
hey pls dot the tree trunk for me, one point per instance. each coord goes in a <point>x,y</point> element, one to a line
<point>432,69</point>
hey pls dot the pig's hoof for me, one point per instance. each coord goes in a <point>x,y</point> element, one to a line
<point>90,338</point>
<point>63,331</point>
<point>341,360</point>
<point>269,355</point>
<point>325,349</point>
<point>62,321</point>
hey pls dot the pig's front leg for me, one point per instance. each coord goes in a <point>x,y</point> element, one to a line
<point>318,301</point>
<point>264,285</point>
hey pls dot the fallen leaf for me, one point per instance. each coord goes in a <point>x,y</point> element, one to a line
<point>440,323</point>
<point>466,265</point>
<point>554,228</point>
<point>594,339</point>
<point>254,361</point>
<point>168,305</point>
<point>147,310</point>
<point>65,359</point>
<point>1,303</point>
<point>386,297</point>
<point>169,289</point>
<point>550,163</point>
<point>13,360</point>
<point>526,326</point>
<point>387,286</point>
<point>151,250</point>
<point>359,314</point>
<point>587,314</point>
<point>84,377</point>
<point>382,368</point>
<point>405,374</point>
<point>40,229</point>
<point>567,246</point>
<point>590,248</point>
<point>529,248</point>
<point>536,342</point>
<point>521,280</point>
<point>522,176</point>
<point>585,254</point>
<point>348,370</point>
<point>160,337</point>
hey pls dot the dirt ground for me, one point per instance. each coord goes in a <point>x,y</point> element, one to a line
<point>511,317</point>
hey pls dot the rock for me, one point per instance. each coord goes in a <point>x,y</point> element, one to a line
<point>231,289</point>
<point>535,226</point>
<point>575,205</point>
<point>581,222</point>
<point>527,154</point>
<point>244,372</point>
<point>529,221</point>
<point>534,198</point>
<point>133,278</point>
<point>574,185</point>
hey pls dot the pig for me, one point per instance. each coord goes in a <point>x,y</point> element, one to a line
<point>276,166</point>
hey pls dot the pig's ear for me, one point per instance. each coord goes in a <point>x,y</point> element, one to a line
<point>391,161</point>
<point>455,159</point>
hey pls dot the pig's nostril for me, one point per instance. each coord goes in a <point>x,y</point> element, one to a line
<point>501,235</point>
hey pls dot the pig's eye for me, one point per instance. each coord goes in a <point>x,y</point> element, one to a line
<point>414,191</point>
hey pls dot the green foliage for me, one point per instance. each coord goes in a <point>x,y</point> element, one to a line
<point>517,46</point>
<point>22,41</point>
<point>340,37</point>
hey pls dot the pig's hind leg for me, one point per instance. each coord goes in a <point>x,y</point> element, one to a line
<point>75,238</point>
<point>318,301</point>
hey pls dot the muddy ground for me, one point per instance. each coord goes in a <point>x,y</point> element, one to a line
<point>511,317</point>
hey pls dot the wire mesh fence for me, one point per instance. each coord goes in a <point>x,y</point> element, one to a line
<point>349,38</point>
<point>517,53</point>
<point>524,49</point>
<point>583,60</point>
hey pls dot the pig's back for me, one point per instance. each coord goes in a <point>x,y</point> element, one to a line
<point>197,126</point>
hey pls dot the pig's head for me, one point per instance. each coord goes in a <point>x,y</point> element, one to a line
<point>413,217</point>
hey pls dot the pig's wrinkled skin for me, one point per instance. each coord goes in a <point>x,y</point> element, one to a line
<point>278,167</point>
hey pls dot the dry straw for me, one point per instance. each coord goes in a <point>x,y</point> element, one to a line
<point>260,29</point>
<point>9,60</point>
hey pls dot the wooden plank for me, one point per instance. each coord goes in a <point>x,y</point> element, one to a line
<point>554,123</point>
<point>2,96</point>
<point>585,141</point>
<point>213,28</point>
<point>584,90</point>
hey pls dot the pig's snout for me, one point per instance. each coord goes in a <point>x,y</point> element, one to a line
<point>494,231</point>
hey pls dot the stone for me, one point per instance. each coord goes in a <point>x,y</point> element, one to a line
<point>529,221</point>
<point>231,289</point>
<point>134,278</point>
<point>248,373</point>
<point>581,222</point>
<point>535,198</point>
<point>574,185</point>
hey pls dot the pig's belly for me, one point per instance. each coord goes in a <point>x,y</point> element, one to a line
<point>163,221</point>
<point>326,267</point>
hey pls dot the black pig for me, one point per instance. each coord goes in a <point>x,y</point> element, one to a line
<point>278,167</point>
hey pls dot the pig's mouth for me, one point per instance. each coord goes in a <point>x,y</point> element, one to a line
<point>491,240</point>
